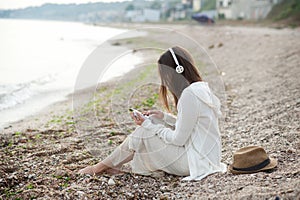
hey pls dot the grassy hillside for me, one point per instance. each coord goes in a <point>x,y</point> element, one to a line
<point>208,5</point>
<point>287,11</point>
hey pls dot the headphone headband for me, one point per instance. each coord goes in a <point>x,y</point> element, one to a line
<point>179,69</point>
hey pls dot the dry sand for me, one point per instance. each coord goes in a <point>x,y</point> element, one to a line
<point>260,70</point>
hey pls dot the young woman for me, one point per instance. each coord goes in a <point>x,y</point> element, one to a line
<point>188,145</point>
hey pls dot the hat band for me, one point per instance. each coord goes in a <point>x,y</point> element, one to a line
<point>255,167</point>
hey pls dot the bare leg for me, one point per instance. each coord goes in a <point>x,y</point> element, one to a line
<point>113,163</point>
<point>117,169</point>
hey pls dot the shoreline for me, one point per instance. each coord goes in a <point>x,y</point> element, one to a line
<point>262,108</point>
<point>55,68</point>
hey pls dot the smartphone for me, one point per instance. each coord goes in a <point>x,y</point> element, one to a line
<point>136,112</point>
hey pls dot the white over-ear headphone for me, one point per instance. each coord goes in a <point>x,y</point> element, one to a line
<point>179,69</point>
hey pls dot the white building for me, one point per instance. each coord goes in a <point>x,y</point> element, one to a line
<point>196,5</point>
<point>145,15</point>
<point>152,15</point>
<point>245,9</point>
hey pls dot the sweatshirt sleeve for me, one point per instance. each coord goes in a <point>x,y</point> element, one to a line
<point>188,112</point>
<point>169,119</point>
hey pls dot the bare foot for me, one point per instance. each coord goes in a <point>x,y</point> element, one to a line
<point>88,170</point>
<point>94,169</point>
<point>113,171</point>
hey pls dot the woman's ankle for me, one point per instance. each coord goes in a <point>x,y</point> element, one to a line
<point>114,171</point>
<point>99,168</point>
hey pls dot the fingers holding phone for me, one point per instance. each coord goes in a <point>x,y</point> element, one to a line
<point>137,116</point>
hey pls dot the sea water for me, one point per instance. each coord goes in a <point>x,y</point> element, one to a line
<point>40,60</point>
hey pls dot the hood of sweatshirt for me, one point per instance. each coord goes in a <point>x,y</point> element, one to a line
<point>203,92</point>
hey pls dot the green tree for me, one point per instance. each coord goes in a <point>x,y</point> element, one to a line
<point>156,5</point>
<point>130,7</point>
<point>208,5</point>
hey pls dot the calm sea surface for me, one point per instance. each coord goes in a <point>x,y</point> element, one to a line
<point>40,60</point>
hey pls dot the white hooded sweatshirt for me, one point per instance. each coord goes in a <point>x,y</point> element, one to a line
<point>196,128</point>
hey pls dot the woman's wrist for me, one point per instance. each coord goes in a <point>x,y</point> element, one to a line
<point>146,123</point>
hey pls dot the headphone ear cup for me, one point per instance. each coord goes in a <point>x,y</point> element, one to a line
<point>179,69</point>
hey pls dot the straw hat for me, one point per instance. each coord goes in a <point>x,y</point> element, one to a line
<point>251,159</point>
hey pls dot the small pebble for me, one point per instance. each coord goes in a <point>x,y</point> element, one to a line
<point>278,177</point>
<point>129,194</point>
<point>80,193</point>
<point>111,182</point>
<point>30,176</point>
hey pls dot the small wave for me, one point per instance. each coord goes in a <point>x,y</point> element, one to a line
<point>16,97</point>
<point>14,94</point>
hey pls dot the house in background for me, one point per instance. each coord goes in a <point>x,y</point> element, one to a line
<point>152,15</point>
<point>197,5</point>
<point>185,9</point>
<point>194,4</point>
<point>179,12</point>
<point>244,9</point>
<point>144,15</point>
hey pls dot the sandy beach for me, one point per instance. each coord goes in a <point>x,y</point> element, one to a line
<point>259,68</point>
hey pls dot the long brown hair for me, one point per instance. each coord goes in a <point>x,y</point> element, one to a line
<point>173,81</point>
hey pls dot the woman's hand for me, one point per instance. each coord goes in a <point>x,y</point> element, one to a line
<point>138,119</point>
<point>155,113</point>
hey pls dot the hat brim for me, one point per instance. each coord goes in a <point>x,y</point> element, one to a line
<point>271,165</point>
